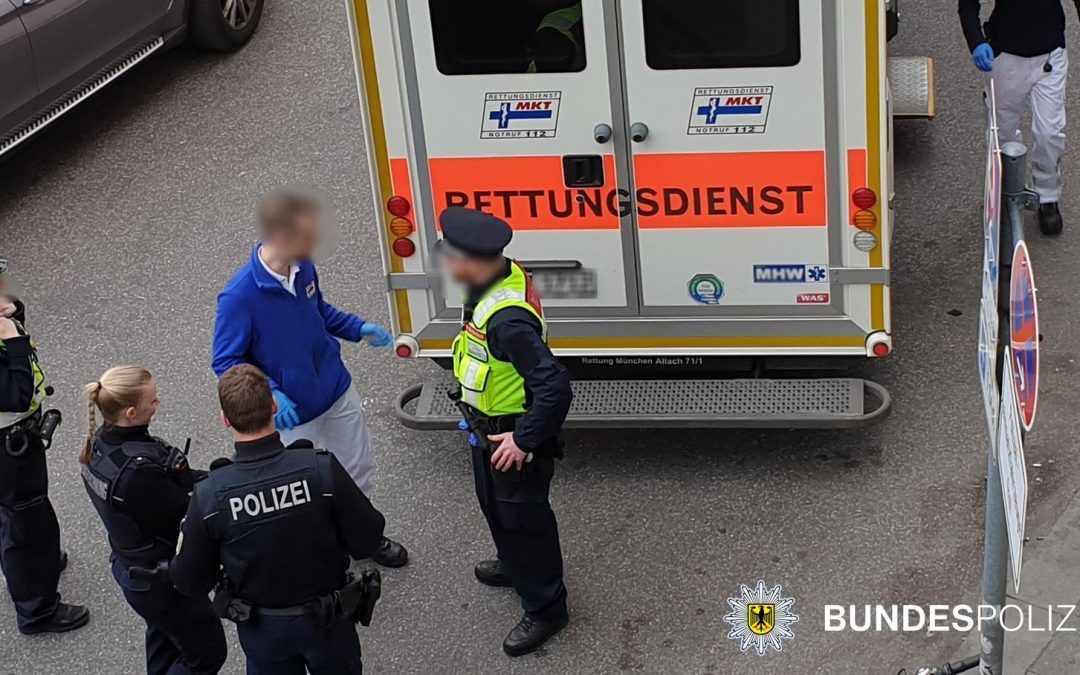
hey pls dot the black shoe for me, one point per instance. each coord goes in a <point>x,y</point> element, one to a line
<point>390,554</point>
<point>1050,222</point>
<point>490,573</point>
<point>63,560</point>
<point>530,634</point>
<point>66,617</point>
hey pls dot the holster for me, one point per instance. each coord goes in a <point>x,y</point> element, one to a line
<point>229,607</point>
<point>17,438</point>
<point>481,426</point>
<point>358,598</point>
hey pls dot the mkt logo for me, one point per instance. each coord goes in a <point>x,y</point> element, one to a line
<point>791,274</point>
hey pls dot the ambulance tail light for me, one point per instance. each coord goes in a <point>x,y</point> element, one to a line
<point>401,227</point>
<point>403,248</point>
<point>398,206</point>
<point>878,344</point>
<point>864,198</point>
<point>406,347</point>
<point>865,220</point>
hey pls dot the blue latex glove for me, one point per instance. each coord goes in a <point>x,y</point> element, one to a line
<point>376,335</point>
<point>983,56</point>
<point>287,417</point>
<point>474,442</point>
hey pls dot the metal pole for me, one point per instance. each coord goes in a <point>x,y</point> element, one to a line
<point>996,541</point>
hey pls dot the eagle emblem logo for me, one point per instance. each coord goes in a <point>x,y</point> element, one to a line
<point>761,618</point>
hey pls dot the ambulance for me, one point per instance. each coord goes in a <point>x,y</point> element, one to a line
<point>702,192</point>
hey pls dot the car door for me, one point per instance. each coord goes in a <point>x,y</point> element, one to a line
<point>17,80</point>
<point>73,39</point>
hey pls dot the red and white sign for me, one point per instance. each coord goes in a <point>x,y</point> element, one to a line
<point>1024,334</point>
<point>812,298</point>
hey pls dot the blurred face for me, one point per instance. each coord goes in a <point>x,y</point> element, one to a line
<point>472,272</point>
<point>143,413</point>
<point>301,242</point>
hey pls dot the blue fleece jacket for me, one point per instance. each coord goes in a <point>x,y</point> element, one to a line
<point>293,339</point>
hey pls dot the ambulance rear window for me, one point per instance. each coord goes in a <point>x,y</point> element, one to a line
<point>489,37</point>
<point>690,34</point>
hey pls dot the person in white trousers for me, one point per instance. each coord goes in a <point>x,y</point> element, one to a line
<point>272,315</point>
<point>1022,46</point>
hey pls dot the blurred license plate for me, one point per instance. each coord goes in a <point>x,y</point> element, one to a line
<point>577,284</point>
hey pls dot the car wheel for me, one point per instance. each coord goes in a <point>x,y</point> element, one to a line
<point>223,25</point>
<point>892,19</point>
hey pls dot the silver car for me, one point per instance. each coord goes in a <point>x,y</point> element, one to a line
<point>56,53</point>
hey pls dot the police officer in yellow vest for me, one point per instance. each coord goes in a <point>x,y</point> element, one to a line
<point>29,534</point>
<point>514,396</point>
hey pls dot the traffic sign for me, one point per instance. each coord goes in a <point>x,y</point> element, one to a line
<point>988,306</point>
<point>1013,469</point>
<point>992,201</point>
<point>1024,334</point>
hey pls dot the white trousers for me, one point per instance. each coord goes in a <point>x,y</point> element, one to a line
<point>343,430</point>
<point>1019,80</point>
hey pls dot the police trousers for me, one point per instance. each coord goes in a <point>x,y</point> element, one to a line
<point>29,535</point>
<point>342,430</point>
<point>287,645</point>
<point>183,634</point>
<point>525,532</point>
<point>1021,80</point>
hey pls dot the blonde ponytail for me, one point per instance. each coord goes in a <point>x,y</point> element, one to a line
<point>118,389</point>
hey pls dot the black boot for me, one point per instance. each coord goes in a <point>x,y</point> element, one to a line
<point>1050,219</point>
<point>530,634</point>
<point>490,573</point>
<point>390,554</point>
<point>66,617</point>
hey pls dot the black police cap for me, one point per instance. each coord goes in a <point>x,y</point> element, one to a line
<point>474,233</point>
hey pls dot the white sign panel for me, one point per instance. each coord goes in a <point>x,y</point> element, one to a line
<point>988,308</point>
<point>1013,469</point>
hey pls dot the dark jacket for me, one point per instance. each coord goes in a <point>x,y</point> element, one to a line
<point>16,369</point>
<point>1019,27</point>
<point>147,495</point>
<point>281,523</point>
<point>515,335</point>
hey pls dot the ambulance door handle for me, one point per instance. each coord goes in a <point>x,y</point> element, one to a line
<point>602,133</point>
<point>639,131</point>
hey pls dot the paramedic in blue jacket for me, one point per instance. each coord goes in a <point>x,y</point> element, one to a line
<point>272,315</point>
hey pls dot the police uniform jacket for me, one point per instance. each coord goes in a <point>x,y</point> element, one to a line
<point>139,485</point>
<point>515,335</point>
<point>16,369</point>
<point>281,522</point>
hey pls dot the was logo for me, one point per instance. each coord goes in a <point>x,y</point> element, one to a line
<point>761,618</point>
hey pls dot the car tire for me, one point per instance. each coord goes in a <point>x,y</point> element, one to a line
<point>223,25</point>
<point>892,19</point>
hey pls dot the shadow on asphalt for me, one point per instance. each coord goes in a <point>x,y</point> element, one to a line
<point>65,141</point>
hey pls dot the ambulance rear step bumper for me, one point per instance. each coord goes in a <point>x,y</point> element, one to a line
<point>645,404</point>
<point>911,82</point>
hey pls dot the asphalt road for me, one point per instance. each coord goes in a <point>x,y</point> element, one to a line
<point>125,219</point>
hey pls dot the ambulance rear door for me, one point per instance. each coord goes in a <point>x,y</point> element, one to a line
<point>737,159</point>
<point>508,109</point>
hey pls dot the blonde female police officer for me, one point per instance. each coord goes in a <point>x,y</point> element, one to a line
<point>29,533</point>
<point>139,485</point>
<point>1023,47</point>
<point>515,397</point>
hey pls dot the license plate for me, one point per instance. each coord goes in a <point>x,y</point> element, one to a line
<point>577,284</point>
